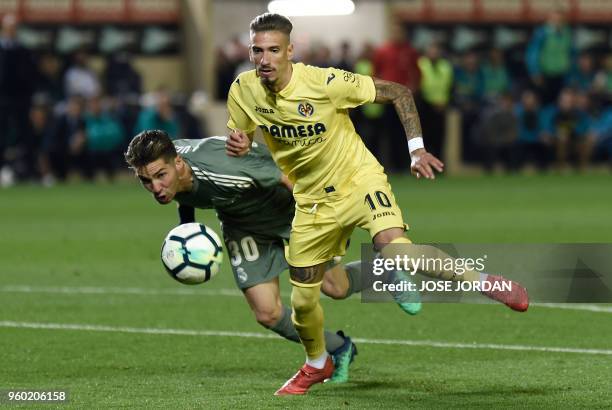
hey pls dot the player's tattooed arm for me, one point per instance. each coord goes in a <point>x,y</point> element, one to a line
<point>422,162</point>
<point>388,92</point>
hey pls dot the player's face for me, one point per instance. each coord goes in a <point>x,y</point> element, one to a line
<point>271,53</point>
<point>161,178</point>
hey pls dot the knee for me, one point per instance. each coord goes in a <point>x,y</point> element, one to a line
<point>333,290</point>
<point>304,299</point>
<point>268,317</point>
<point>387,236</point>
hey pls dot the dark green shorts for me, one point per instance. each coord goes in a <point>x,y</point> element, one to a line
<point>255,258</point>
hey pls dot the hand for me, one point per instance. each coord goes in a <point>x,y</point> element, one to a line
<point>238,144</point>
<point>423,164</point>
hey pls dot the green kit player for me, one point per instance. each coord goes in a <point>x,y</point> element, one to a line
<point>255,205</point>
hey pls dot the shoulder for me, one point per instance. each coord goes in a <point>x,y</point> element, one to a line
<point>245,79</point>
<point>310,71</point>
<point>335,78</point>
<point>201,146</point>
<point>179,143</point>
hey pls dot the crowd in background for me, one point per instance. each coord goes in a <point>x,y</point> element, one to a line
<point>59,116</point>
<point>552,110</point>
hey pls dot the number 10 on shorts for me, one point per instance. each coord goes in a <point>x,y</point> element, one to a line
<point>382,200</point>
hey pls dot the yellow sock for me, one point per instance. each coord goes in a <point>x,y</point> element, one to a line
<point>397,247</point>
<point>307,317</point>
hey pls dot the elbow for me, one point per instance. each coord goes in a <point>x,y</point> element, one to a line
<point>408,92</point>
<point>403,94</point>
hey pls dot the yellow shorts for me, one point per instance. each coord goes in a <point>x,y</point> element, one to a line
<point>321,229</point>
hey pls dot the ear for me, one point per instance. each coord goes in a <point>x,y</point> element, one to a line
<point>252,38</point>
<point>251,58</point>
<point>290,51</point>
<point>179,163</point>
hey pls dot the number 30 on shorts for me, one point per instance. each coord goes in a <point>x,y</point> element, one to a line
<point>247,248</point>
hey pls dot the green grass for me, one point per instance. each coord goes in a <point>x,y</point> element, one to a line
<point>108,236</point>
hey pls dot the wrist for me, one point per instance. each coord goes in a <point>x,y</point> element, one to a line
<point>418,152</point>
<point>415,144</point>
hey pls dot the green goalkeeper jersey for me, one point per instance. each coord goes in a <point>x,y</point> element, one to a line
<point>245,191</point>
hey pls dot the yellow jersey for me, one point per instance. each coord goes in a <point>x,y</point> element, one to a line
<point>306,126</point>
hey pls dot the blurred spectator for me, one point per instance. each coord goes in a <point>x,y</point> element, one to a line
<point>569,128</point>
<point>17,76</point>
<point>232,59</point>
<point>467,93</point>
<point>237,50</point>
<point>436,85</point>
<point>532,148</point>
<point>345,61</point>
<point>161,116</point>
<point>588,112</point>
<point>104,140</point>
<point>495,76</point>
<point>602,132</point>
<point>549,56</point>
<point>79,78</point>
<point>320,56</point>
<point>63,147</point>
<point>468,85</point>
<point>582,76</point>
<point>368,118</point>
<point>189,124</point>
<point>120,78</point>
<point>127,111</point>
<point>396,60</point>
<point>497,133</point>
<point>603,79</point>
<point>50,82</point>
<point>225,69</point>
<point>40,119</point>
<point>514,58</point>
<point>242,61</point>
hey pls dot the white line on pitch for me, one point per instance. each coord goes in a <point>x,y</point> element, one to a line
<point>203,291</point>
<point>576,306</point>
<point>88,290</point>
<point>253,335</point>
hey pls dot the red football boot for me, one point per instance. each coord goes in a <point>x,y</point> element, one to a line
<point>306,377</point>
<point>516,298</point>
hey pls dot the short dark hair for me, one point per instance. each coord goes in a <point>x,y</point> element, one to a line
<point>149,146</point>
<point>271,22</point>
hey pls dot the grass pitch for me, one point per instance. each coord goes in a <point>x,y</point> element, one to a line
<point>86,307</point>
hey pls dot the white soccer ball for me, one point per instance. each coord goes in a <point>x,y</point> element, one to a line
<point>192,253</point>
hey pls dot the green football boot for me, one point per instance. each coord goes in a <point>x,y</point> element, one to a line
<point>343,357</point>
<point>409,301</point>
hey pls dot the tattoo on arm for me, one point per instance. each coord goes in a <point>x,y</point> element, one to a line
<point>402,99</point>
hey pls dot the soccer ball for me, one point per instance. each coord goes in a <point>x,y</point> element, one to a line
<point>192,253</point>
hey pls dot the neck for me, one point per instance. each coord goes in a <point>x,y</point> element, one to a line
<point>280,85</point>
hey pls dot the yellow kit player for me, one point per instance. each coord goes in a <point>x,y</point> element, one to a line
<point>302,112</point>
